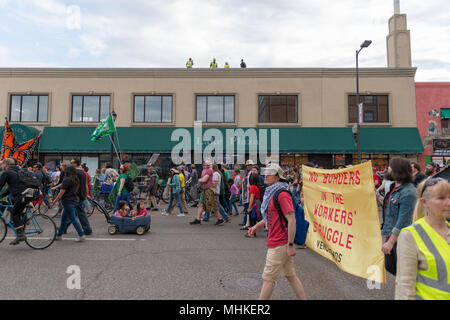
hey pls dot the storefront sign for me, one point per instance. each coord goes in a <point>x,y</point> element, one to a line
<point>341,208</point>
<point>441,147</point>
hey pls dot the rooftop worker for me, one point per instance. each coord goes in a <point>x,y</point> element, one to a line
<point>189,63</point>
<point>243,65</point>
<point>213,64</point>
<point>226,66</point>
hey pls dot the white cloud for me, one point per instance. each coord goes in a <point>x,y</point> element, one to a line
<point>285,33</point>
<point>73,52</point>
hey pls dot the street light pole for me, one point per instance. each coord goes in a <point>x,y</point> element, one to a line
<point>365,44</point>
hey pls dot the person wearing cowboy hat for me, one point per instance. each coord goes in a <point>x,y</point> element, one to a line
<point>175,188</point>
<point>280,241</point>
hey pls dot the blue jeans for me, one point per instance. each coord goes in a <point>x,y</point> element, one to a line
<point>175,196</point>
<point>295,196</point>
<point>224,215</point>
<point>68,217</point>
<point>245,213</point>
<point>124,196</point>
<point>233,204</point>
<point>82,217</point>
<point>225,204</point>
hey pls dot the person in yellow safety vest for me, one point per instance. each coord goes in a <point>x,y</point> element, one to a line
<point>213,64</point>
<point>189,63</point>
<point>423,249</point>
<point>226,65</point>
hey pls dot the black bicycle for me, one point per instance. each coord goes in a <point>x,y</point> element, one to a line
<point>160,195</point>
<point>96,206</point>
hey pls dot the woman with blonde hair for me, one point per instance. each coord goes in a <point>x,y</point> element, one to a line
<point>424,247</point>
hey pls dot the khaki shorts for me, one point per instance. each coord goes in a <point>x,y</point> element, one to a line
<point>277,260</point>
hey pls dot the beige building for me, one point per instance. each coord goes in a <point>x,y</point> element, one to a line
<point>314,109</point>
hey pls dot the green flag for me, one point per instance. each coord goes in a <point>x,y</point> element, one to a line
<point>104,128</point>
<point>134,170</point>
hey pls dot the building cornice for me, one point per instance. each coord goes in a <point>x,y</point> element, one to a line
<point>203,72</point>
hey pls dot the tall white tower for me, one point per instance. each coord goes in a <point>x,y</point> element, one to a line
<point>398,42</point>
<point>396,6</point>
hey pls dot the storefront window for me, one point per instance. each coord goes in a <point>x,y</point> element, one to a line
<point>300,159</point>
<point>287,160</point>
<point>52,161</point>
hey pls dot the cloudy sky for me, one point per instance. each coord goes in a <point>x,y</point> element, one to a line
<point>164,33</point>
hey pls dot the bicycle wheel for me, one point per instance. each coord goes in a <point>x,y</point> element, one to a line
<point>3,229</point>
<point>91,210</point>
<point>101,209</point>
<point>40,231</point>
<point>107,205</point>
<point>52,213</point>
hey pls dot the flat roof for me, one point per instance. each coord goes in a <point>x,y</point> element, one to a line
<point>204,72</point>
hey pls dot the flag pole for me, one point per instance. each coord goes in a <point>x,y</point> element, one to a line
<point>111,137</point>
<point>113,146</point>
<point>117,137</point>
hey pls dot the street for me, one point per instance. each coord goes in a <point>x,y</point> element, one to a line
<point>174,260</point>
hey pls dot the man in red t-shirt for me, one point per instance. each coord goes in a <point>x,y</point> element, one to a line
<point>280,242</point>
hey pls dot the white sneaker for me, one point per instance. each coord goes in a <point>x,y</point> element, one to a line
<point>58,238</point>
<point>181,215</point>
<point>81,239</point>
<point>164,213</point>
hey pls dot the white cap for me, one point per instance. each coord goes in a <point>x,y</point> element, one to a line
<point>272,169</point>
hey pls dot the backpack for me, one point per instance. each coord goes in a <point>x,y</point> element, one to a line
<point>28,179</point>
<point>47,179</point>
<point>302,224</point>
<point>255,213</point>
<point>129,184</point>
<point>262,190</point>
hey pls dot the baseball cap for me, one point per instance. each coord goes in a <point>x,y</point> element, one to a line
<point>273,169</point>
<point>249,162</point>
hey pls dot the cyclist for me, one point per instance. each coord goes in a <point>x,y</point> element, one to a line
<point>16,188</point>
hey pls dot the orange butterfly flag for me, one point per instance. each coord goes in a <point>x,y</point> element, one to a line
<point>20,152</point>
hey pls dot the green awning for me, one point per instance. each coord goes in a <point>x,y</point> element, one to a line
<point>72,139</point>
<point>445,113</point>
<point>391,140</point>
<point>21,132</point>
<point>330,140</point>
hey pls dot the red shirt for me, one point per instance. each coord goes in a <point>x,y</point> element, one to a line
<point>88,179</point>
<point>277,236</point>
<point>376,180</point>
<point>143,212</point>
<point>254,190</point>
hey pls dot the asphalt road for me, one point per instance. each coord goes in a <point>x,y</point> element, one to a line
<point>173,261</point>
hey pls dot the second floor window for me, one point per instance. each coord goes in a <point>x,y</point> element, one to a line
<point>277,109</point>
<point>90,108</point>
<point>375,108</point>
<point>29,108</point>
<point>215,109</point>
<point>153,108</point>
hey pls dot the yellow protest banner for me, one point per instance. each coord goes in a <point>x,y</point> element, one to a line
<point>341,208</point>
